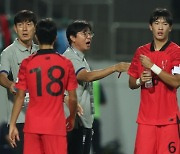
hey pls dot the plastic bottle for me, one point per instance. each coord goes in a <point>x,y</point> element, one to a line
<point>149,84</point>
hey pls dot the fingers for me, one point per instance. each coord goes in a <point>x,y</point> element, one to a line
<point>68,126</point>
<point>79,110</point>
<point>13,90</point>
<point>145,76</point>
<point>12,142</point>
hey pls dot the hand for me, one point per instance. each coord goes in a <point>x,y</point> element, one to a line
<point>79,110</point>
<point>145,76</point>
<point>13,136</point>
<point>145,61</point>
<point>70,123</point>
<point>12,88</point>
<point>122,67</point>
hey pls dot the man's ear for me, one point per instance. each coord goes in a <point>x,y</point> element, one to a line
<point>72,38</point>
<point>15,29</point>
<point>170,29</point>
<point>36,39</point>
<point>150,27</point>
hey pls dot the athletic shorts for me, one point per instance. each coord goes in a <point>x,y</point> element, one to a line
<point>48,144</point>
<point>157,139</point>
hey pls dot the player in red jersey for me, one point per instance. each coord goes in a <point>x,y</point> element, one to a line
<point>46,75</point>
<point>157,120</point>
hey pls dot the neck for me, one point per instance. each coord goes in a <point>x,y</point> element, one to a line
<point>159,44</point>
<point>77,48</point>
<point>46,46</point>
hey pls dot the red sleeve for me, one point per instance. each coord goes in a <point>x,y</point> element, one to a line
<point>21,80</point>
<point>133,69</point>
<point>176,57</point>
<point>72,80</point>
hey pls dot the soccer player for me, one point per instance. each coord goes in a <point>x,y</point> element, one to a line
<point>79,34</point>
<point>157,120</point>
<point>45,75</point>
<point>11,58</point>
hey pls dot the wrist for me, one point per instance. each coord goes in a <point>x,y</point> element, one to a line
<point>138,82</point>
<point>114,68</point>
<point>157,70</point>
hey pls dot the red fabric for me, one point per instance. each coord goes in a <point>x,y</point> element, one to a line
<point>44,144</point>
<point>5,29</point>
<point>157,139</point>
<point>42,75</point>
<point>158,105</point>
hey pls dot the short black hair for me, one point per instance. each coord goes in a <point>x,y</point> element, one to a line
<point>75,27</point>
<point>161,12</point>
<point>46,31</point>
<point>25,15</point>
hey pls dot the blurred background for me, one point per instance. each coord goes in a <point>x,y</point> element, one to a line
<point>120,26</point>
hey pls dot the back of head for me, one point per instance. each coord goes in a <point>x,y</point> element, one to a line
<point>25,15</point>
<point>46,31</point>
<point>161,13</point>
<point>75,27</point>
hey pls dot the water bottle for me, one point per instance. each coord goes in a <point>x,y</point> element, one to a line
<point>149,84</point>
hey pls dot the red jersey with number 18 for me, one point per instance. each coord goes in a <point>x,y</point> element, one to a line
<point>46,75</point>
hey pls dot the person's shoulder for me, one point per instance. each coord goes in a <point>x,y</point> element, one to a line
<point>69,53</point>
<point>9,48</point>
<point>174,45</point>
<point>28,59</point>
<point>143,48</point>
<point>35,46</point>
<point>147,45</point>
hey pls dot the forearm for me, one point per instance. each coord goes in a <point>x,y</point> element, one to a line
<point>169,79</point>
<point>4,81</point>
<point>97,74</point>
<point>72,103</point>
<point>134,83</point>
<point>18,103</point>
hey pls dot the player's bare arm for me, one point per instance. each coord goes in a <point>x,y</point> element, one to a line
<point>79,107</point>
<point>89,76</point>
<point>169,79</point>
<point>13,132</point>
<point>72,101</point>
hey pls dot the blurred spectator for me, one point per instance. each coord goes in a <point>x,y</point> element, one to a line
<point>99,99</point>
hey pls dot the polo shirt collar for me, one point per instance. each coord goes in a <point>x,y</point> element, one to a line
<point>23,48</point>
<point>79,53</point>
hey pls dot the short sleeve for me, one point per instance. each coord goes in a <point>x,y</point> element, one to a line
<point>134,67</point>
<point>72,80</point>
<point>21,79</point>
<point>176,58</point>
<point>5,62</point>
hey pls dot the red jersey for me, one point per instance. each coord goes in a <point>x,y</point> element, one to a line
<point>46,75</point>
<point>158,105</point>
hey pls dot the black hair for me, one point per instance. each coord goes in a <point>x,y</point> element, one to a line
<point>25,15</point>
<point>75,27</point>
<point>46,31</point>
<point>161,12</point>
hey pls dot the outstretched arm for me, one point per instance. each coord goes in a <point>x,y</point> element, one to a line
<point>86,76</point>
